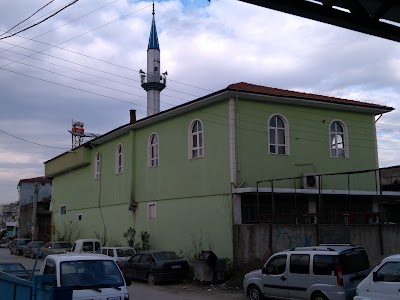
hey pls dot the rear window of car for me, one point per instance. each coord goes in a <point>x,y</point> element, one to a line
<point>161,256</point>
<point>61,245</point>
<point>325,264</point>
<point>22,242</point>
<point>354,261</point>
<point>125,252</point>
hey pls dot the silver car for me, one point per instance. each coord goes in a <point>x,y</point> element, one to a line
<point>325,272</point>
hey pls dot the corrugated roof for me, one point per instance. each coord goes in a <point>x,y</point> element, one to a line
<point>252,88</point>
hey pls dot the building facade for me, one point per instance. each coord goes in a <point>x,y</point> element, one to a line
<point>35,208</point>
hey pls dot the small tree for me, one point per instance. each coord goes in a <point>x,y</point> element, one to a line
<point>144,244</point>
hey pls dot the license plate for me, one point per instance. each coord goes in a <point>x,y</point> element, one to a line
<point>114,298</point>
<point>175,267</point>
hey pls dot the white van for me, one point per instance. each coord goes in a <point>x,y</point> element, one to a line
<point>86,246</point>
<point>325,272</point>
<point>383,282</point>
<point>89,276</point>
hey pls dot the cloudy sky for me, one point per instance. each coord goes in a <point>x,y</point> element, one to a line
<point>83,64</point>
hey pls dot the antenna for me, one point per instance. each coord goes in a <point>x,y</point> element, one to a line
<point>78,134</point>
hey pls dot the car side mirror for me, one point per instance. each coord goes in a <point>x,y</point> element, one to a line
<point>128,280</point>
<point>375,277</point>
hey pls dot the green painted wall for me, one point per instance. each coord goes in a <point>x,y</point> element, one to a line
<point>191,194</point>
<point>82,194</point>
<point>309,146</point>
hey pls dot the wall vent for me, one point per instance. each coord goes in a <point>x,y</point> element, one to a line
<point>310,181</point>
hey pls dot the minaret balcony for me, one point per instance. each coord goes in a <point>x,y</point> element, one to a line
<point>153,81</point>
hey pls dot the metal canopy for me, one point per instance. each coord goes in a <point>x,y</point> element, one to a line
<point>375,17</point>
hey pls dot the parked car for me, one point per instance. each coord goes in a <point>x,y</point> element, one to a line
<point>155,266</point>
<point>55,247</point>
<point>383,282</point>
<point>32,249</point>
<point>317,273</point>
<point>16,245</point>
<point>15,269</point>
<point>118,253</point>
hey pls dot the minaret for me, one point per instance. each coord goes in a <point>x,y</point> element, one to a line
<point>153,82</point>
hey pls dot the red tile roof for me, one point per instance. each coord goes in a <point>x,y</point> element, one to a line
<point>37,179</point>
<point>259,89</point>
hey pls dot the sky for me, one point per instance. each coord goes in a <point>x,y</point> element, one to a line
<point>83,64</point>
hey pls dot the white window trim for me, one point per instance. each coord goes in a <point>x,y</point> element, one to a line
<point>287,144</point>
<point>345,139</point>
<point>149,216</point>
<point>97,165</point>
<point>119,169</point>
<point>61,210</point>
<point>190,140</point>
<point>149,152</point>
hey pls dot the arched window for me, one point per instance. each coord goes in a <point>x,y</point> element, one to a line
<point>278,135</point>
<point>97,165</point>
<point>196,136</point>
<point>119,159</point>
<point>153,149</point>
<point>338,139</point>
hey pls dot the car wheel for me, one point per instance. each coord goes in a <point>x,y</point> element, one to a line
<point>11,251</point>
<point>319,296</point>
<point>150,279</point>
<point>254,293</point>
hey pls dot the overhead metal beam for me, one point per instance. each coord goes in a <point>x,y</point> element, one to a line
<point>358,19</point>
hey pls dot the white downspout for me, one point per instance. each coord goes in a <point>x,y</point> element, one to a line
<point>236,199</point>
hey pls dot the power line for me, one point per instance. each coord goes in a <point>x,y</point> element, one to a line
<point>27,18</point>
<point>52,15</point>
<point>16,137</point>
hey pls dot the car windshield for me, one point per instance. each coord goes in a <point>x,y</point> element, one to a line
<point>125,252</point>
<point>83,274</point>
<point>161,256</point>
<point>61,245</point>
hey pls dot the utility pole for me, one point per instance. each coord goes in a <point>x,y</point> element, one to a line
<point>34,210</point>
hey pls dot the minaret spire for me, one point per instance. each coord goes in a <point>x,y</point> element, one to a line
<point>152,82</point>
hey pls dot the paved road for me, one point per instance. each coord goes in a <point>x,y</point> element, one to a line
<point>142,291</point>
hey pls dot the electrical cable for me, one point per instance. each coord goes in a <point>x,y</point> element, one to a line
<point>27,18</point>
<point>45,19</point>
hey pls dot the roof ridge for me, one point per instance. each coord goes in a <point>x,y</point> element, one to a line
<point>249,87</point>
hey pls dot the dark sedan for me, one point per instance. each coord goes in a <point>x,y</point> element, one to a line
<point>32,249</point>
<point>155,266</point>
<point>17,245</point>
<point>14,269</point>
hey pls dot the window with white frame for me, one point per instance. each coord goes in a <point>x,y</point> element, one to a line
<point>278,135</point>
<point>151,211</point>
<point>63,210</point>
<point>338,139</point>
<point>119,159</point>
<point>97,164</point>
<point>196,139</point>
<point>153,150</point>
